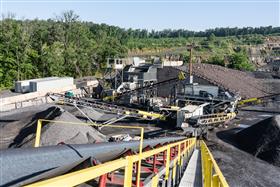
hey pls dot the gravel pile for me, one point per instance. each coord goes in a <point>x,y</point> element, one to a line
<point>262,140</point>
<point>95,115</point>
<point>233,80</point>
<point>54,133</point>
<point>241,168</point>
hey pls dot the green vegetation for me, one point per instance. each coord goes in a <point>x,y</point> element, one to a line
<point>240,61</point>
<point>66,46</point>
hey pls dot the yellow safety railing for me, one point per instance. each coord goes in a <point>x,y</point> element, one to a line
<point>78,177</point>
<point>211,173</point>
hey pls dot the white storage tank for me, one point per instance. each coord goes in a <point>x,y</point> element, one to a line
<point>50,84</point>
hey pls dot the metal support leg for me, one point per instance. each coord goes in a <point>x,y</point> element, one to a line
<point>102,181</point>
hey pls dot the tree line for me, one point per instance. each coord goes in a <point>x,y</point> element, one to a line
<point>67,46</point>
<point>64,46</point>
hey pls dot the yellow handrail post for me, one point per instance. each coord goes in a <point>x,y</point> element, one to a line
<point>211,173</point>
<point>140,155</point>
<point>215,181</point>
<point>208,172</point>
<point>128,172</point>
<point>38,133</point>
<point>179,154</point>
<point>174,171</point>
<point>167,163</point>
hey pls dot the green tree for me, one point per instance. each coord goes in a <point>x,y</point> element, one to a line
<point>240,61</point>
<point>53,58</point>
<point>217,60</point>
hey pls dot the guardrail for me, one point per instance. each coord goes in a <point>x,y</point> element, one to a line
<point>166,165</point>
<point>211,173</point>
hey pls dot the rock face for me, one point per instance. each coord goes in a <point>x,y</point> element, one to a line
<point>262,140</point>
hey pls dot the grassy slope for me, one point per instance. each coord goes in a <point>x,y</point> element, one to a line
<point>206,47</point>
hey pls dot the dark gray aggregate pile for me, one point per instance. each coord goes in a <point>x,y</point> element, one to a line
<point>233,80</point>
<point>234,150</point>
<point>262,140</point>
<point>242,169</point>
<point>54,133</point>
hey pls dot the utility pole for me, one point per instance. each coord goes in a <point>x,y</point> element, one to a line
<point>190,47</point>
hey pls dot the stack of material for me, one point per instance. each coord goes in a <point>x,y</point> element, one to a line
<point>54,133</point>
<point>95,115</point>
<point>233,80</point>
<point>262,140</point>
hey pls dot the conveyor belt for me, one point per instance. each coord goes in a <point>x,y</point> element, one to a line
<point>256,100</point>
<point>148,87</point>
<point>23,164</point>
<point>211,119</point>
<point>120,110</point>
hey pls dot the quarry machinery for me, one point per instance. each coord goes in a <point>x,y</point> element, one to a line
<point>129,88</point>
<point>107,107</point>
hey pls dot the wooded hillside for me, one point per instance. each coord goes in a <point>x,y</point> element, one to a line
<point>67,46</point>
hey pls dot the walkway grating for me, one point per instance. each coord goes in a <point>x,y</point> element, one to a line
<point>193,175</point>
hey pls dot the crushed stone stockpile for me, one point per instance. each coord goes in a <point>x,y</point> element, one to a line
<point>239,167</point>
<point>54,133</point>
<point>262,140</point>
<point>94,114</point>
<point>233,80</point>
<point>243,169</point>
<point>12,122</point>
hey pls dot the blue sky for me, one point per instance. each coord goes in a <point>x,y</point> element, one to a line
<point>155,14</point>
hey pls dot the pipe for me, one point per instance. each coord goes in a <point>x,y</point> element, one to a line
<point>20,164</point>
